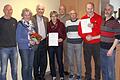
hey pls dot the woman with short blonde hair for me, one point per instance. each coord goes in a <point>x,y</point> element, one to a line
<point>25,43</point>
<point>55,26</point>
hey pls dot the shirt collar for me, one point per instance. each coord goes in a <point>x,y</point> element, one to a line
<point>74,20</point>
<point>112,18</point>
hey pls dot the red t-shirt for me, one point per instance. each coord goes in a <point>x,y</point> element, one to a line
<point>96,20</point>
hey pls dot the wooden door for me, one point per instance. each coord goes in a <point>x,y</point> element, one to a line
<point>79,5</point>
<point>117,67</point>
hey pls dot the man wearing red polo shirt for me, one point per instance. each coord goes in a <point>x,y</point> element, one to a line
<point>91,41</point>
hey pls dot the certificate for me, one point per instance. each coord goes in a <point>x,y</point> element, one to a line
<point>84,25</point>
<point>53,39</point>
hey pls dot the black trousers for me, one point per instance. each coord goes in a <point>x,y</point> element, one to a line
<point>89,51</point>
<point>40,61</point>
<point>58,52</point>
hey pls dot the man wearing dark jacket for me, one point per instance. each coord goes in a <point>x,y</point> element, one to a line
<point>40,58</point>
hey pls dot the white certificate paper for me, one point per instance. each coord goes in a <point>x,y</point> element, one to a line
<point>53,39</point>
<point>84,25</point>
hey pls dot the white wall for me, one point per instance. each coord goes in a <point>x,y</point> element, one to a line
<point>18,5</point>
<point>116,4</point>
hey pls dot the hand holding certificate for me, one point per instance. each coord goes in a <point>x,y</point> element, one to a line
<point>53,39</point>
<point>84,26</point>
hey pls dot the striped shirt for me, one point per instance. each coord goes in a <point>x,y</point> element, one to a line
<point>109,29</point>
<point>72,31</point>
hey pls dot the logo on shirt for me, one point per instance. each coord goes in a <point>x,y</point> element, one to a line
<point>14,25</point>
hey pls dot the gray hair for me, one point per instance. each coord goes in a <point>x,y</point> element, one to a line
<point>40,5</point>
<point>110,5</point>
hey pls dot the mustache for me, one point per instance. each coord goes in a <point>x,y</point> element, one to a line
<point>108,13</point>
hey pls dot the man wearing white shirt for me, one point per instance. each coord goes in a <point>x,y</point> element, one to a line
<point>40,58</point>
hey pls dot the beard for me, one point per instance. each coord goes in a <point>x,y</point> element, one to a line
<point>108,14</point>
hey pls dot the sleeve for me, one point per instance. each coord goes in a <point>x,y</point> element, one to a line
<point>80,31</point>
<point>20,33</point>
<point>116,29</point>
<point>48,26</point>
<point>97,25</point>
<point>63,31</point>
<point>66,26</point>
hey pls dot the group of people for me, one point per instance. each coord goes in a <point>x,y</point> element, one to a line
<point>31,35</point>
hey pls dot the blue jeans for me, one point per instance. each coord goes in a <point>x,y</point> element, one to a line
<point>9,53</point>
<point>58,50</point>
<point>27,56</point>
<point>75,50</point>
<point>107,65</point>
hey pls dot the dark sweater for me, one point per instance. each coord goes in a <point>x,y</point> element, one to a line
<point>58,27</point>
<point>7,32</point>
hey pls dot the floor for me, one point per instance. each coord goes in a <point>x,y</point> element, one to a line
<point>48,77</point>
